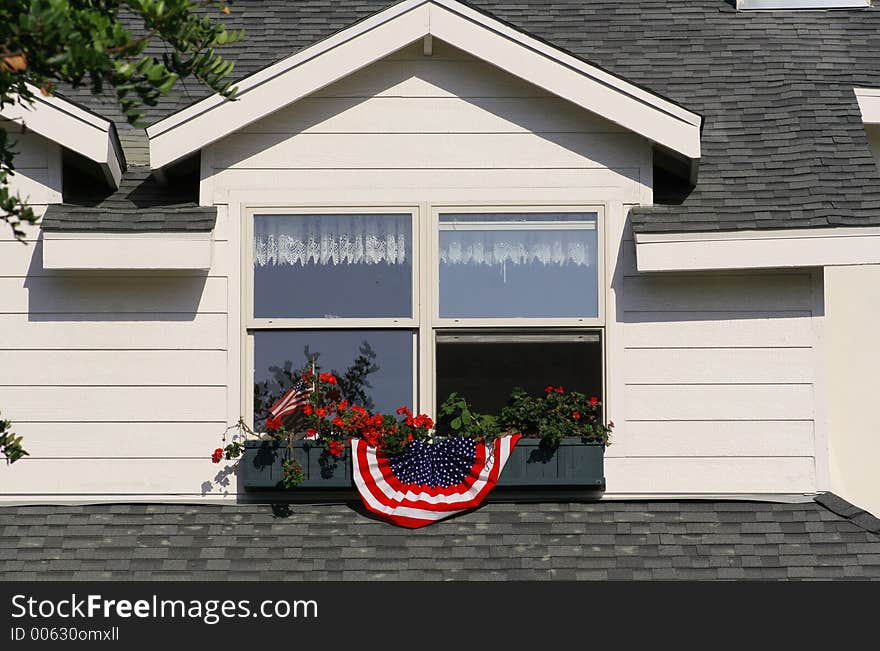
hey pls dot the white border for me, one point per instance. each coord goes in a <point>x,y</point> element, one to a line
<point>708,251</point>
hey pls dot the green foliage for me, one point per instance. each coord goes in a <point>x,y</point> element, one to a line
<point>555,415</point>
<point>92,43</point>
<point>293,473</point>
<point>10,444</point>
<point>456,418</point>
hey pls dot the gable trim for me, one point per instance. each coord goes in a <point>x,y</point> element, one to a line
<point>717,251</point>
<point>72,127</point>
<point>374,38</point>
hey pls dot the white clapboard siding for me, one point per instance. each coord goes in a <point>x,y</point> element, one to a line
<point>712,438</point>
<point>431,78</point>
<point>719,401</point>
<point>691,292</point>
<point>105,478</point>
<point>708,475</point>
<point>113,368</point>
<point>395,186</point>
<point>65,440</point>
<point>37,175</point>
<point>111,404</point>
<point>426,150</point>
<point>772,329</point>
<point>416,115</point>
<point>31,150</point>
<point>111,295</point>
<point>153,331</point>
<point>720,365</point>
<point>36,186</point>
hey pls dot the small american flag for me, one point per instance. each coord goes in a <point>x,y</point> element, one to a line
<point>428,481</point>
<point>293,398</point>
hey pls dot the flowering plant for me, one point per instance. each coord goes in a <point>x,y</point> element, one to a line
<point>331,422</point>
<point>554,415</point>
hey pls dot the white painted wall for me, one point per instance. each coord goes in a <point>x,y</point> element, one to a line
<point>720,383</point>
<point>711,379</point>
<point>116,380</point>
<point>853,308</point>
<point>37,177</point>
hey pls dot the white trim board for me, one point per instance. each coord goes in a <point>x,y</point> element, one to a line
<point>757,249</point>
<point>869,104</point>
<point>71,127</point>
<point>80,251</point>
<point>756,5</point>
<point>566,76</point>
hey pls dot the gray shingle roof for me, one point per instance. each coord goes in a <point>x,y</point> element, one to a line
<point>140,204</point>
<point>604,540</point>
<point>783,142</point>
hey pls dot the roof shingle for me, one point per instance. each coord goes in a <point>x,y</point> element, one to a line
<point>543,541</point>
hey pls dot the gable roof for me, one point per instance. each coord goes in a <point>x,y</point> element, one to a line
<point>783,144</point>
<point>74,127</point>
<point>382,34</point>
<point>666,540</point>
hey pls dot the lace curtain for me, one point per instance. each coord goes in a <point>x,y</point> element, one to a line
<point>549,247</point>
<point>331,239</point>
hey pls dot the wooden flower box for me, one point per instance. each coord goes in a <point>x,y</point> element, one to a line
<point>574,469</point>
<point>261,466</point>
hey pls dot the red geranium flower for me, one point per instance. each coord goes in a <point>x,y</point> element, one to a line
<point>273,424</point>
<point>402,410</point>
<point>343,405</point>
<point>549,389</point>
<point>321,412</point>
<point>594,401</point>
<point>576,415</point>
<point>559,390</point>
<point>307,409</point>
<point>338,422</point>
<point>329,378</point>
<point>217,456</point>
<point>336,448</point>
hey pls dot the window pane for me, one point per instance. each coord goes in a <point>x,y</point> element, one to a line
<point>332,266</point>
<point>385,355</point>
<point>485,368</point>
<point>523,265</point>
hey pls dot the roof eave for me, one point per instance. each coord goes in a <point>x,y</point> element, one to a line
<point>74,128</point>
<point>482,36</point>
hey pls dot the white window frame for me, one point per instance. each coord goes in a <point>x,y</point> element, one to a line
<point>424,321</point>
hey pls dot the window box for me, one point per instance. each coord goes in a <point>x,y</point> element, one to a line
<point>574,465</point>
<point>261,466</point>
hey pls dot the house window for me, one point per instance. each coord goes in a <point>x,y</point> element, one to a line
<point>408,305</point>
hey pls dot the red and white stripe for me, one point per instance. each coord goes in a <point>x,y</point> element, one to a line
<point>413,505</point>
<point>291,401</point>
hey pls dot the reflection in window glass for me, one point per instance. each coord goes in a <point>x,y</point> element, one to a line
<point>518,265</point>
<point>374,367</point>
<point>486,367</point>
<point>332,266</point>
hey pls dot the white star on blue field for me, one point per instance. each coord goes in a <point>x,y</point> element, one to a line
<point>441,464</point>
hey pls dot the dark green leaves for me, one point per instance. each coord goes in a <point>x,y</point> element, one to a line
<point>10,444</point>
<point>139,48</point>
